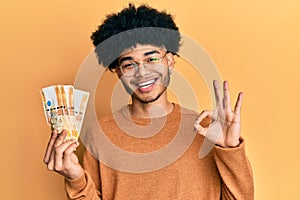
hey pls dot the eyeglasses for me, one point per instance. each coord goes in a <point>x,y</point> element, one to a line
<point>129,67</point>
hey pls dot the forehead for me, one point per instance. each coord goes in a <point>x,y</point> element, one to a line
<point>139,50</point>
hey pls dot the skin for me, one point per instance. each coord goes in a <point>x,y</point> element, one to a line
<point>144,103</point>
<point>230,120</point>
<point>60,156</point>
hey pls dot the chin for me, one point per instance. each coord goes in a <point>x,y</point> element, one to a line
<point>148,99</point>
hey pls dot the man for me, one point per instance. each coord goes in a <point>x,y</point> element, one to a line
<point>144,65</point>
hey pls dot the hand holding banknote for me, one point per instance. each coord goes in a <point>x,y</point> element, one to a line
<point>60,156</point>
<point>64,108</point>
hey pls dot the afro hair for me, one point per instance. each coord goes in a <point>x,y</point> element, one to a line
<point>134,25</point>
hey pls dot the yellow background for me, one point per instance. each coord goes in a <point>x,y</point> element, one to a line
<point>255,45</point>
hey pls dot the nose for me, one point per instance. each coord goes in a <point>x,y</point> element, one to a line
<point>141,70</point>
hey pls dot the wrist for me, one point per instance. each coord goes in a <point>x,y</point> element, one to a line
<point>75,175</point>
<point>232,144</point>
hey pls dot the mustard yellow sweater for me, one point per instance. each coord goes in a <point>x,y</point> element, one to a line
<point>225,173</point>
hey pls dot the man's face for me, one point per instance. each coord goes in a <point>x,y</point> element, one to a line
<point>148,80</point>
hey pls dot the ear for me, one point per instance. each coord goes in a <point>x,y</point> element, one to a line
<point>170,61</point>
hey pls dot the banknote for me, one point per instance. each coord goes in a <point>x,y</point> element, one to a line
<point>64,108</point>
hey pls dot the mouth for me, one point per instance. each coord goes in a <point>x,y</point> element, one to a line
<point>146,86</point>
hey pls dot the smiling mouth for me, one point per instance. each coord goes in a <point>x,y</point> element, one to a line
<point>146,86</point>
<point>146,83</point>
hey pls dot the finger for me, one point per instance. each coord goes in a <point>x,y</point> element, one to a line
<point>59,154</point>
<point>227,102</point>
<point>203,115</point>
<point>202,131</point>
<point>206,121</point>
<point>61,138</point>
<point>50,164</point>
<point>218,96</point>
<point>68,153</point>
<point>50,146</point>
<point>238,104</point>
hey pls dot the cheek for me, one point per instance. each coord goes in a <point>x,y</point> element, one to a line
<point>126,82</point>
<point>164,80</point>
<point>129,88</point>
<point>165,74</point>
<point>163,70</point>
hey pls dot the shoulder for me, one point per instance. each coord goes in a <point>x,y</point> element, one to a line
<point>114,116</point>
<point>186,117</point>
<point>185,112</point>
<point>108,122</point>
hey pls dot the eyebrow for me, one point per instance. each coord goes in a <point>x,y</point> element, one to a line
<point>145,54</point>
<point>151,52</point>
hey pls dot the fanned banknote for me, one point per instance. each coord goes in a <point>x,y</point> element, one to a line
<point>64,108</point>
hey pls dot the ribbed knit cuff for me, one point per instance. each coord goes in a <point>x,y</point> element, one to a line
<point>241,145</point>
<point>78,183</point>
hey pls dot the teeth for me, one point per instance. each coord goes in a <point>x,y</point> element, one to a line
<point>146,83</point>
<point>144,86</point>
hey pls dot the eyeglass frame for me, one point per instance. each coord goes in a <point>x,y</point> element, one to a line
<point>137,64</point>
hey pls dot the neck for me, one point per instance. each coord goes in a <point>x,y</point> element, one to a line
<point>158,108</point>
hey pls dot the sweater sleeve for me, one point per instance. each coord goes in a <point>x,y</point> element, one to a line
<point>86,187</point>
<point>235,171</point>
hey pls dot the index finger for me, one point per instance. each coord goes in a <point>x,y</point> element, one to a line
<point>204,119</point>
<point>50,146</point>
<point>55,141</point>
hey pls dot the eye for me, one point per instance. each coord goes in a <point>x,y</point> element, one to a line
<point>152,60</point>
<point>128,65</point>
